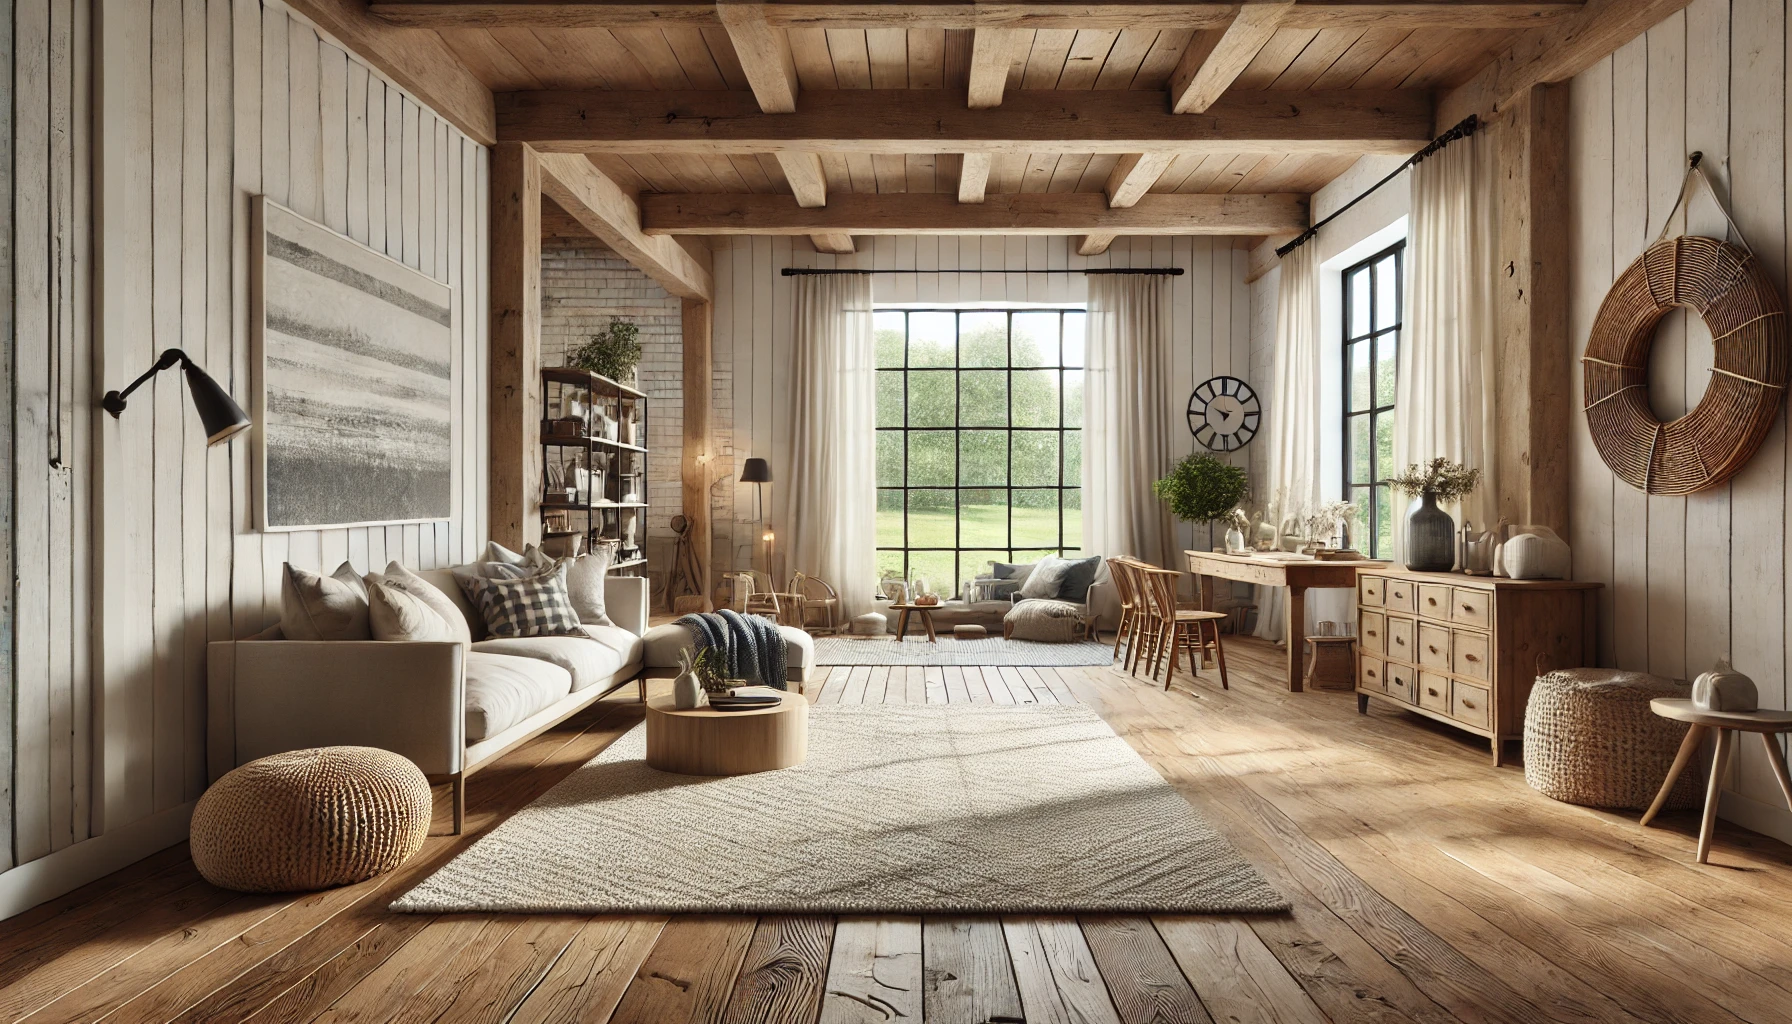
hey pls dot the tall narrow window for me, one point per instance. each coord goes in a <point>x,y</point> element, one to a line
<point>979,439</point>
<point>1372,303</point>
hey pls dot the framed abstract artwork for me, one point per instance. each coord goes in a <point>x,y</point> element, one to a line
<point>354,380</point>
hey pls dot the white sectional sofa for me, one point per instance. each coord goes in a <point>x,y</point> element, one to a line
<point>451,709</point>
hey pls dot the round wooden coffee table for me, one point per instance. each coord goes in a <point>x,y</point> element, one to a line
<point>704,741</point>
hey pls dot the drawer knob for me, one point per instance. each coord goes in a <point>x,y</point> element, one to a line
<point>1469,704</point>
<point>1431,647</point>
<point>1468,607</point>
<point>1469,657</point>
<point>1400,640</point>
<point>1373,633</point>
<point>1430,691</point>
<point>1431,600</point>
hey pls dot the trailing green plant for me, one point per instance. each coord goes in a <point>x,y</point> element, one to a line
<point>613,352</point>
<point>1202,488</point>
<point>1446,480</point>
<point>712,670</point>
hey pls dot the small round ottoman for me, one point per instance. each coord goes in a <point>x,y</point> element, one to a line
<point>870,624</point>
<point>1590,739</point>
<point>310,819</point>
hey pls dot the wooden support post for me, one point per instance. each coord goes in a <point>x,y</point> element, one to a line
<point>516,408</point>
<point>1532,353</point>
<point>699,447</point>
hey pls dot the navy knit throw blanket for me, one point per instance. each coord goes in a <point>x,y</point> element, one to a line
<point>751,646</point>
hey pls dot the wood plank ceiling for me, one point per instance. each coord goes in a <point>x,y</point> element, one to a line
<point>549,46</point>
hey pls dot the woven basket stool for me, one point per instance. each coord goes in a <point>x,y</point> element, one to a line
<point>1590,739</point>
<point>310,819</point>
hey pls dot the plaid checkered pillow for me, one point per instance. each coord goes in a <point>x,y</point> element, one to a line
<point>532,606</point>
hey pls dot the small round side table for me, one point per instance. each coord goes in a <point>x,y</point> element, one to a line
<point>704,741</point>
<point>1726,724</point>
<point>923,611</point>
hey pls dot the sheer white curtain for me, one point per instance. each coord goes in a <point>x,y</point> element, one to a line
<point>1443,401</point>
<point>833,484</point>
<point>1126,445</point>
<point>1294,433</point>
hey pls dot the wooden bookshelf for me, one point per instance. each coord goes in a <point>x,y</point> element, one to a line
<point>594,463</point>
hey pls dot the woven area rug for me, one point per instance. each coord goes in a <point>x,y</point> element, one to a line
<point>834,650</point>
<point>900,808</point>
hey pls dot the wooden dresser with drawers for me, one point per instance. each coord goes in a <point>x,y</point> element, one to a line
<point>1466,649</point>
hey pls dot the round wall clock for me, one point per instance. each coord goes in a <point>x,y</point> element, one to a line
<point>1224,414</point>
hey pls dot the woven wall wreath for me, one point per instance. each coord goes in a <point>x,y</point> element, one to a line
<point>1728,287</point>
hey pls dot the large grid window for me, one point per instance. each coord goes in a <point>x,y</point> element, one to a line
<point>979,439</point>
<point>1372,303</point>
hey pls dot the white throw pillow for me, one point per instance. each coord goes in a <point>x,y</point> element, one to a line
<point>1046,579</point>
<point>394,618</point>
<point>496,552</point>
<point>585,575</point>
<point>314,607</point>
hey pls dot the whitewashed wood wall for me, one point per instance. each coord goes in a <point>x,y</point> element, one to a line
<point>755,307</point>
<point>1689,579</point>
<point>141,542</point>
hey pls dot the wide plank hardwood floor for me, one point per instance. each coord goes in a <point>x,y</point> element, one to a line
<point>1427,887</point>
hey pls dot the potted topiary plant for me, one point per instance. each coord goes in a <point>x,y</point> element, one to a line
<point>613,352</point>
<point>1202,488</point>
<point>1430,532</point>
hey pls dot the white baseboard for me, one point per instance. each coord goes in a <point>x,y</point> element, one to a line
<point>1768,819</point>
<point>69,868</point>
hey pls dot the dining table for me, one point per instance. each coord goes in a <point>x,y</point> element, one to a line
<point>1295,574</point>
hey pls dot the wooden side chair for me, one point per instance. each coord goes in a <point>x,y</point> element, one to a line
<point>1123,589</point>
<point>814,595</point>
<point>1140,625</point>
<point>1182,628</point>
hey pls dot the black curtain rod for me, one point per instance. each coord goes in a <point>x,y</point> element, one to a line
<point>816,272</point>
<point>1463,129</point>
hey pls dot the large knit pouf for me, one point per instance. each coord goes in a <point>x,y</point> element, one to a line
<point>1052,622</point>
<point>870,624</point>
<point>310,819</point>
<point>1590,739</point>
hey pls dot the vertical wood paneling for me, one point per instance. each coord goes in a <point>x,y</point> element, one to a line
<point>196,105</point>
<point>1697,578</point>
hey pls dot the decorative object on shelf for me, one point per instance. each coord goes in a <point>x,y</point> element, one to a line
<point>1224,414</point>
<point>1532,553</point>
<point>1235,543</point>
<point>1430,532</point>
<point>687,689</point>
<point>219,414</point>
<point>1202,488</point>
<point>566,426</point>
<point>1476,558</point>
<point>590,482</point>
<point>1263,531</point>
<point>613,352</point>
<point>1725,689</point>
<point>332,317</point>
<point>1740,303</point>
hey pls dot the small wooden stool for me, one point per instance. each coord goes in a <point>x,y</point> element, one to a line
<point>1332,665</point>
<point>924,612</point>
<point>1726,724</point>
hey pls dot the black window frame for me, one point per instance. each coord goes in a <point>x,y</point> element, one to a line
<point>1375,413</point>
<point>958,369</point>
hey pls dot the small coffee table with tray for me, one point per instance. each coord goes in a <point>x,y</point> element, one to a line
<point>705,741</point>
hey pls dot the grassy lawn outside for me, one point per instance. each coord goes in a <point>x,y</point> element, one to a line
<point>1035,532</point>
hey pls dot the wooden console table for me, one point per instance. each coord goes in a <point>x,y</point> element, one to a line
<point>1295,576</point>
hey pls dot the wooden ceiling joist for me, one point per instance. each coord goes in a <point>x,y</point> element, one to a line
<point>1132,177</point>
<point>973,177</point>
<point>972,14</point>
<point>836,243</point>
<point>1216,57</point>
<point>930,121</point>
<point>1006,213</point>
<point>992,54</point>
<point>602,208</point>
<point>419,61</point>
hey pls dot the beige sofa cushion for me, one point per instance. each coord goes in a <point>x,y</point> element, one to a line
<point>404,606</point>
<point>629,647</point>
<point>314,607</point>
<point>587,661</point>
<point>444,581</point>
<point>503,690</point>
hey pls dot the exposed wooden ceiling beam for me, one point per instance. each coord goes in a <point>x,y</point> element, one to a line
<point>1216,57</point>
<point>807,182</point>
<point>1094,245</point>
<point>840,244</point>
<point>592,199</point>
<point>971,14</point>
<point>992,54</point>
<point>416,59</point>
<point>1133,175</point>
<point>1556,54</point>
<point>764,55</point>
<point>930,121</point>
<point>1077,213</point>
<point>973,177</point>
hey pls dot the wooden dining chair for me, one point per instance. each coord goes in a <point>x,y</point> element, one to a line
<point>1123,589</point>
<point>1181,629</point>
<point>1141,626</point>
<point>814,596</point>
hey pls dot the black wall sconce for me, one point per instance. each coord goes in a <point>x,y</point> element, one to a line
<point>222,417</point>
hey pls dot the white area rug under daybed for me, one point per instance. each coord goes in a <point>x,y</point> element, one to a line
<point>900,808</point>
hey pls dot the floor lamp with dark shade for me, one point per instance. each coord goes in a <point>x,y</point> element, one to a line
<point>218,412</point>
<point>758,472</point>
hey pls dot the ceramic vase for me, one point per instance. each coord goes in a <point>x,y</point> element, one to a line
<point>1234,541</point>
<point>687,689</point>
<point>1430,536</point>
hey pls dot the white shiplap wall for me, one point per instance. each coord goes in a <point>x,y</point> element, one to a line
<point>146,536</point>
<point>755,308</point>
<point>1688,580</point>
